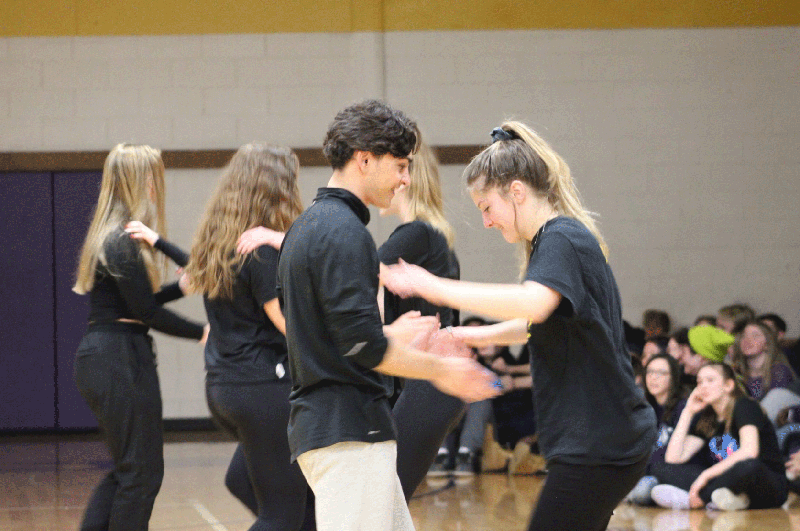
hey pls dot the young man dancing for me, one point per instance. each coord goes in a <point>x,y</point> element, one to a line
<point>340,427</point>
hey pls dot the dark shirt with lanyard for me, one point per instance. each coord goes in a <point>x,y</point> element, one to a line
<point>589,409</point>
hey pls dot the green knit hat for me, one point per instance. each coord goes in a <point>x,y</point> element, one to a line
<point>710,342</point>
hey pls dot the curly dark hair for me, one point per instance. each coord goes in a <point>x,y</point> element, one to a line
<point>371,126</point>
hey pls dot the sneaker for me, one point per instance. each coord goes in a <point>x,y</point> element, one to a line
<point>726,500</point>
<point>640,495</point>
<point>465,464</point>
<point>521,451</point>
<point>439,467</point>
<point>670,497</point>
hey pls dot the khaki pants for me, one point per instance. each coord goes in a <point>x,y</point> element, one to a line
<point>356,487</point>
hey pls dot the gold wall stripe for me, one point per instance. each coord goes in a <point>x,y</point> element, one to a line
<point>21,18</point>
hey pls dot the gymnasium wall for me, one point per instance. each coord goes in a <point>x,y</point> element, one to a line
<point>681,135</point>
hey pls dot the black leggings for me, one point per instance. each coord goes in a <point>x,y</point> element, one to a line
<point>115,373</point>
<point>424,416</point>
<point>766,488</point>
<point>583,497</point>
<point>678,475</point>
<point>260,474</point>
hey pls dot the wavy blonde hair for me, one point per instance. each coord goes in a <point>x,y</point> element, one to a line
<point>530,159</point>
<point>424,192</point>
<point>130,173</point>
<point>257,188</point>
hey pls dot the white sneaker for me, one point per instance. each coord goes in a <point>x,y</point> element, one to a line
<point>726,500</point>
<point>640,494</point>
<point>670,497</point>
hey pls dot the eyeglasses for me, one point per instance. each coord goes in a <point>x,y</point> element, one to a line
<point>656,372</point>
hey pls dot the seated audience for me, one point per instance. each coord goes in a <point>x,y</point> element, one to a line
<point>778,325</point>
<point>511,412</point>
<point>731,432</point>
<point>654,346</point>
<point>656,323</point>
<point>706,344</point>
<point>634,339</point>
<point>732,318</point>
<point>757,357</point>
<point>664,393</point>
<point>638,370</point>
<point>679,348</point>
<point>709,320</point>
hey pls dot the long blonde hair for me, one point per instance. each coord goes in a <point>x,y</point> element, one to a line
<point>129,174</point>
<point>257,188</point>
<point>527,157</point>
<point>424,192</point>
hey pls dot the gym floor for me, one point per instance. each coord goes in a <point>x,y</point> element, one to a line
<point>45,482</point>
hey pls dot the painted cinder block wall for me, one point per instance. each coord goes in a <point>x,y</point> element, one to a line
<point>683,139</point>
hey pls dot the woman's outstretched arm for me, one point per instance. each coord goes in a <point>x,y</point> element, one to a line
<point>531,301</point>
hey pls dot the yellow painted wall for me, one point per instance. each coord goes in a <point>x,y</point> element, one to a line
<point>166,17</point>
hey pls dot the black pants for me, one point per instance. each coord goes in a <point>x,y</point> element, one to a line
<point>424,416</point>
<point>582,497</point>
<point>260,474</point>
<point>514,417</point>
<point>115,373</point>
<point>679,475</point>
<point>766,488</point>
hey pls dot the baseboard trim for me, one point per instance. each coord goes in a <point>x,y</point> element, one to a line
<point>66,161</point>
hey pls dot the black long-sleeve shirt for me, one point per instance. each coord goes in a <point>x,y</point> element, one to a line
<point>122,290</point>
<point>172,291</point>
<point>421,244</point>
<point>328,283</point>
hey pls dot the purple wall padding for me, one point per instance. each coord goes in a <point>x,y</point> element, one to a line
<point>27,382</point>
<point>75,197</point>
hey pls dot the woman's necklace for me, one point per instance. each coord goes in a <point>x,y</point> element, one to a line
<point>535,241</point>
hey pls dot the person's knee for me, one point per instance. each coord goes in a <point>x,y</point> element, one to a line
<point>747,467</point>
<point>233,482</point>
<point>153,476</point>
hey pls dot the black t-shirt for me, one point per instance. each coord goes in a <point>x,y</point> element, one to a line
<point>418,243</point>
<point>667,425</point>
<point>746,412</point>
<point>244,346</point>
<point>588,407</point>
<point>328,283</point>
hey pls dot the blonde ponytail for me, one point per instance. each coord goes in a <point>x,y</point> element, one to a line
<point>520,154</point>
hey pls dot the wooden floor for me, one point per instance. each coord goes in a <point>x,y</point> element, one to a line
<point>44,485</point>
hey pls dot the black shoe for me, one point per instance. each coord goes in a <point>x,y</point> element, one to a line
<point>465,464</point>
<point>440,466</point>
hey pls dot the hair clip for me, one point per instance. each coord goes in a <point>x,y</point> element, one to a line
<point>498,134</point>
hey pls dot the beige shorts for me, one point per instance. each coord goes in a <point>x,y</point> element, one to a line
<point>356,487</point>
